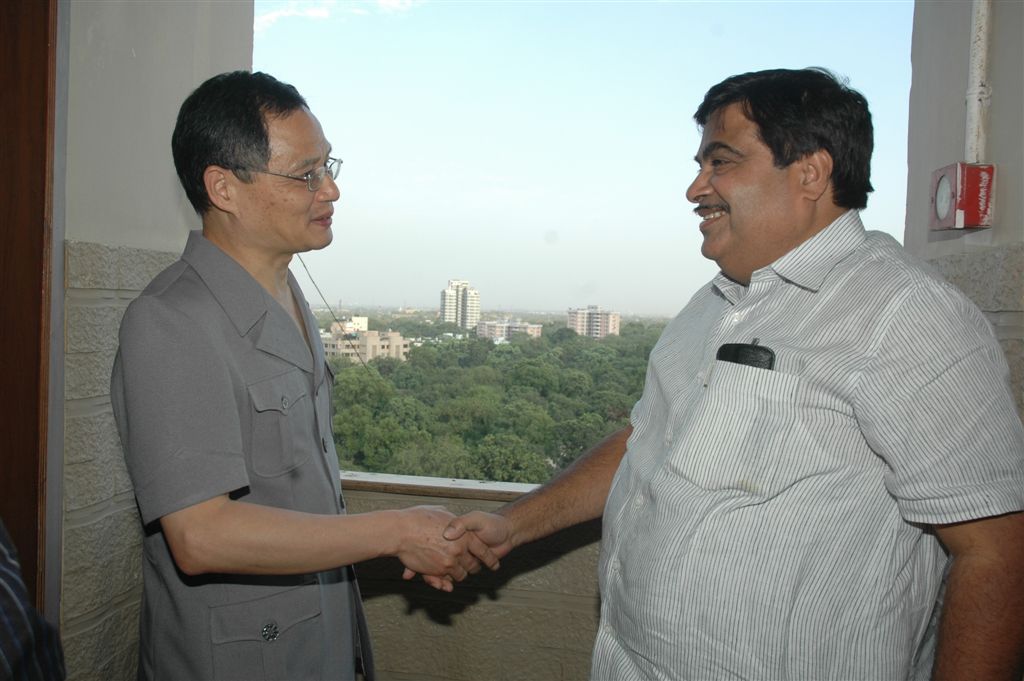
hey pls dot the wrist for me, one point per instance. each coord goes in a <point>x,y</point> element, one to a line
<point>392,530</point>
<point>509,514</point>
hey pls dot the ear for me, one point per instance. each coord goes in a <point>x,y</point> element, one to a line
<point>816,174</point>
<point>219,184</point>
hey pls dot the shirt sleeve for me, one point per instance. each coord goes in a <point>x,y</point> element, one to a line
<point>176,409</point>
<point>937,406</point>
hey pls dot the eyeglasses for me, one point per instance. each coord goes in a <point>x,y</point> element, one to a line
<point>314,179</point>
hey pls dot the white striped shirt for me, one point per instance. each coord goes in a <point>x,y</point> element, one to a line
<point>768,524</point>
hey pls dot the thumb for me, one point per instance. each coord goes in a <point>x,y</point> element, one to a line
<point>456,528</point>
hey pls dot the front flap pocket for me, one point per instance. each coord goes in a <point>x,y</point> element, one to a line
<point>264,619</point>
<point>283,423</point>
<point>273,638</point>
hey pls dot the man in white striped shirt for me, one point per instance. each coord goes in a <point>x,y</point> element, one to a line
<point>825,430</point>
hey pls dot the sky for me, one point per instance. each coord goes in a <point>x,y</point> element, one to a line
<point>542,150</point>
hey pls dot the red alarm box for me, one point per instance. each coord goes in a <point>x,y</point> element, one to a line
<point>962,196</point>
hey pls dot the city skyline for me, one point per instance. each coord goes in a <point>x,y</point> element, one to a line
<point>542,150</point>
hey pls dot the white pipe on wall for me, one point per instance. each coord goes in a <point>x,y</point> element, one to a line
<point>979,94</point>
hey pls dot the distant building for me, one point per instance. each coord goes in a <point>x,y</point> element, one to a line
<point>460,304</point>
<point>505,328</point>
<point>366,344</point>
<point>350,326</point>
<point>593,321</point>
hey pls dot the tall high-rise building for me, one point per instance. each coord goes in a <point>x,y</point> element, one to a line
<point>593,321</point>
<point>460,304</point>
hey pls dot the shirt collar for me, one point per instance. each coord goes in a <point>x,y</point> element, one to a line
<point>239,295</point>
<point>808,264</point>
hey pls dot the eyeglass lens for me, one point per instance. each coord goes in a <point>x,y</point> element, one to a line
<point>316,177</point>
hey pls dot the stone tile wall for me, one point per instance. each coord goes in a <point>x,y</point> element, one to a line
<point>102,543</point>
<point>994,279</point>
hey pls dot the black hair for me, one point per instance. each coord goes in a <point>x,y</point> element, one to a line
<point>798,112</point>
<point>224,123</point>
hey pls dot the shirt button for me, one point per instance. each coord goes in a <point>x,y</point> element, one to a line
<point>639,501</point>
<point>270,632</point>
<point>284,402</point>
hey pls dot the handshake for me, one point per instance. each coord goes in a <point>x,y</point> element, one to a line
<point>445,548</point>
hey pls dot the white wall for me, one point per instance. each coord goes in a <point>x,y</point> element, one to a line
<point>131,65</point>
<point>939,53</point>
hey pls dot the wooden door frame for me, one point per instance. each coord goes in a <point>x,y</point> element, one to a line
<point>28,37</point>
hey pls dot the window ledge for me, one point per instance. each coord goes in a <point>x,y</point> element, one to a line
<point>451,488</point>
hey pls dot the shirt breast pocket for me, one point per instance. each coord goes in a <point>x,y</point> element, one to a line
<point>282,424</point>
<point>741,433</point>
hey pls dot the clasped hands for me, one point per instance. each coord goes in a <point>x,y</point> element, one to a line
<point>445,549</point>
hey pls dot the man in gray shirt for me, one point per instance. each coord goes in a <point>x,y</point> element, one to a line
<point>826,438</point>
<point>222,398</point>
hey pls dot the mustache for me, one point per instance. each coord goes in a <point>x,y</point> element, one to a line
<point>710,208</point>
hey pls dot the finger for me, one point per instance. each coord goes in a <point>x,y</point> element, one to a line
<point>483,552</point>
<point>439,583</point>
<point>459,554</point>
<point>469,563</point>
<point>408,574</point>
<point>458,573</point>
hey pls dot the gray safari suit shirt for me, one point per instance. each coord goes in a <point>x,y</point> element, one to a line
<point>216,392</point>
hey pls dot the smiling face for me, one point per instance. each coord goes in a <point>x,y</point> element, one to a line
<point>752,213</point>
<point>279,214</point>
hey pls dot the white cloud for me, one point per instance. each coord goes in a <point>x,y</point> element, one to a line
<point>398,5</point>
<point>295,8</point>
<point>269,13</point>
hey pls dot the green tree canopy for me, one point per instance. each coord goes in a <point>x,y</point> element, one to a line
<point>516,411</point>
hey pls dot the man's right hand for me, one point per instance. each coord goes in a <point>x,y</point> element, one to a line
<point>493,530</point>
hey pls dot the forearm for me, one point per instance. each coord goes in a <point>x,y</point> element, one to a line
<point>982,632</point>
<point>576,495</point>
<point>225,536</point>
